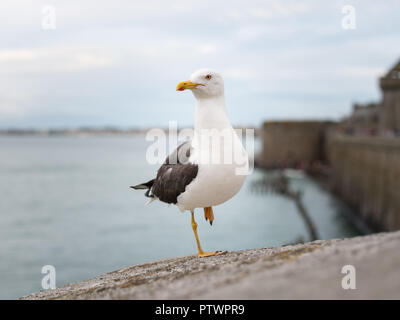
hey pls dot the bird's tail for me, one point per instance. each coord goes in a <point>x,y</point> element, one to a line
<point>147,186</point>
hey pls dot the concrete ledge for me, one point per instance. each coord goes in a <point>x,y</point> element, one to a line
<point>306,271</point>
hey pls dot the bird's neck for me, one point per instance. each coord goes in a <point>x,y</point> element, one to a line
<point>211,114</point>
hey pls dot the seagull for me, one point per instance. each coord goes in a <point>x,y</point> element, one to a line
<point>200,173</point>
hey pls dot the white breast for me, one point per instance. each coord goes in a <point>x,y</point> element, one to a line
<point>218,180</point>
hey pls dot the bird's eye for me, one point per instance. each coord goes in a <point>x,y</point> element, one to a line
<point>208,77</point>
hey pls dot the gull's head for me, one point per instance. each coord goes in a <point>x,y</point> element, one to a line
<point>204,83</point>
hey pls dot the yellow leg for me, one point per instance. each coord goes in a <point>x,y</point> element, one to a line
<point>202,254</point>
<point>209,214</point>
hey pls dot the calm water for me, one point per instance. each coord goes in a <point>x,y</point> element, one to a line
<point>65,201</point>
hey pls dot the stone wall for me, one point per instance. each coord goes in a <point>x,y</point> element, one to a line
<point>365,170</point>
<point>390,111</point>
<point>366,174</point>
<point>291,143</point>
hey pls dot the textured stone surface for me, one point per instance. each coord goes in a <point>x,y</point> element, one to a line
<point>366,175</point>
<point>306,271</point>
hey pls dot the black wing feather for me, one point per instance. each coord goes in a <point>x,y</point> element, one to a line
<point>174,175</point>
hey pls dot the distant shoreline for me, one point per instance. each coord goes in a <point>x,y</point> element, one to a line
<point>83,131</point>
<point>71,132</point>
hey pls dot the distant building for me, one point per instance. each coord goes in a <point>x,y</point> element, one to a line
<point>363,170</point>
<point>381,118</point>
<point>390,105</point>
<point>294,144</point>
<point>364,119</point>
<point>301,144</point>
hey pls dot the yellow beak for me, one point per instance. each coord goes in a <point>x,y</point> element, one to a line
<point>186,85</point>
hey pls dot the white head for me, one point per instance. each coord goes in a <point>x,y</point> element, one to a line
<point>204,83</point>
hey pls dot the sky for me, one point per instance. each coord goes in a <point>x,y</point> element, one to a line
<point>117,63</point>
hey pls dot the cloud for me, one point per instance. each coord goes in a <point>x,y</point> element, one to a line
<point>112,62</point>
<point>8,56</point>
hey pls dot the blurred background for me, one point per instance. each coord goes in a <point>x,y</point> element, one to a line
<point>82,82</point>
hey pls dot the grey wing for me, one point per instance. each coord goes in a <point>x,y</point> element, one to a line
<point>174,175</point>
